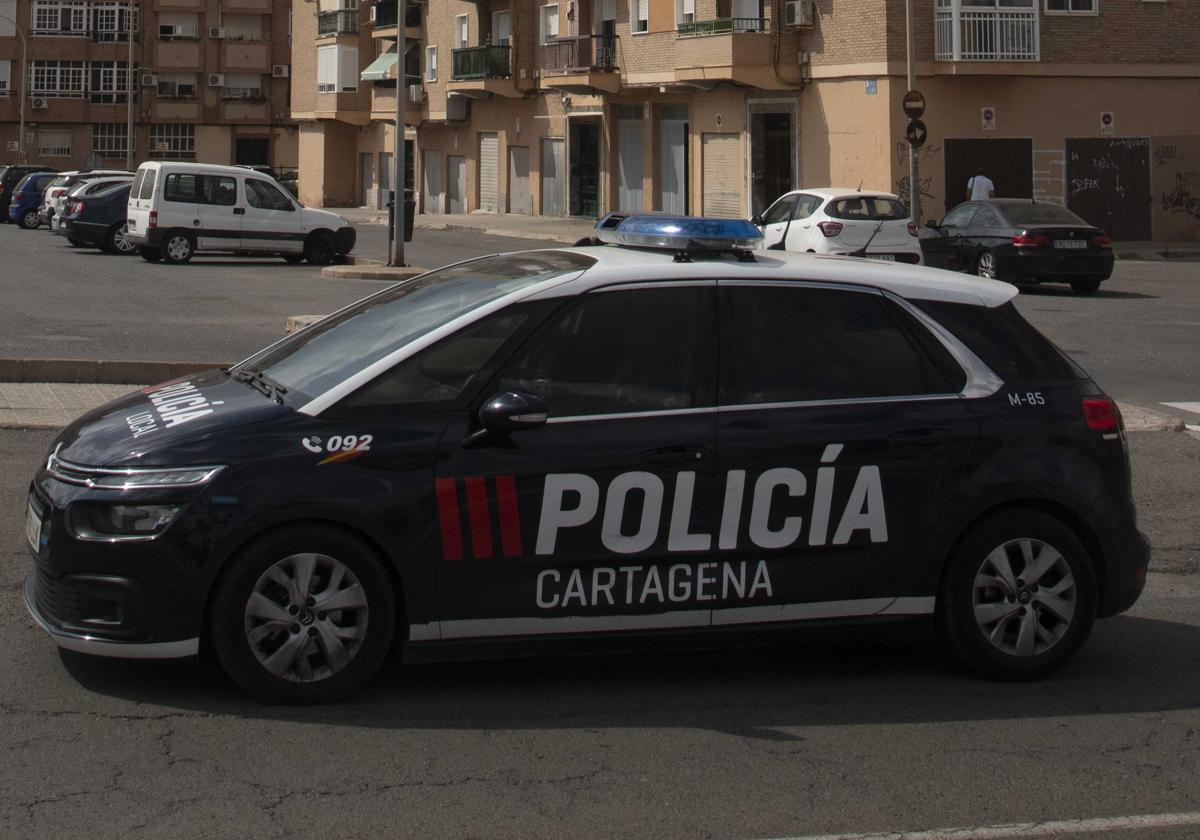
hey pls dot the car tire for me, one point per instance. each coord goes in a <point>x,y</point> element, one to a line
<point>998,621</point>
<point>30,220</point>
<point>276,642</point>
<point>149,254</point>
<point>293,258</point>
<point>1085,287</point>
<point>117,242</point>
<point>986,266</point>
<point>320,248</point>
<point>177,247</point>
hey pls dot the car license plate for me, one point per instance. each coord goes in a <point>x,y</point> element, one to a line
<point>33,528</point>
<point>1070,243</point>
<point>881,257</point>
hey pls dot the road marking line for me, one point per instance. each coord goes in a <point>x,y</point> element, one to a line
<point>1052,828</point>
<point>1193,407</point>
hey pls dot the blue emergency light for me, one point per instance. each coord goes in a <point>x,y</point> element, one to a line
<point>682,234</point>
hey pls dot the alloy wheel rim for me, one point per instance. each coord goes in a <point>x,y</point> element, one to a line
<point>306,618</point>
<point>1024,597</point>
<point>178,248</point>
<point>122,241</point>
<point>987,266</point>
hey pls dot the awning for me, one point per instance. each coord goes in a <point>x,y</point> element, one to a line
<point>380,68</point>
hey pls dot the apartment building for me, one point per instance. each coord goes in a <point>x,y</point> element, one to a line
<point>209,81</point>
<point>715,107</point>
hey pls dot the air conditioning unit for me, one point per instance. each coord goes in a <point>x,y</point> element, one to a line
<point>216,80</point>
<point>39,103</point>
<point>416,94</point>
<point>149,80</point>
<point>798,13</point>
<point>279,71</point>
<point>217,32</point>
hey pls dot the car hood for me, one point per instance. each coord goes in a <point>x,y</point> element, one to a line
<point>148,426</point>
<point>322,218</point>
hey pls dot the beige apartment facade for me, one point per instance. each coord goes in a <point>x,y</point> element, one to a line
<point>209,82</point>
<point>715,107</point>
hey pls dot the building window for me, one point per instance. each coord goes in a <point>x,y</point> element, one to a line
<point>639,15</point>
<point>337,69</point>
<point>243,27</point>
<point>550,23</point>
<point>431,64</point>
<point>54,142</point>
<point>173,141</point>
<point>110,140</point>
<point>460,31</point>
<point>1066,7</point>
<point>112,22</point>
<point>178,25</point>
<point>57,78</point>
<point>501,28</point>
<point>685,11</point>
<point>242,86</point>
<point>108,81</point>
<point>177,85</point>
<point>5,77</point>
<point>59,17</point>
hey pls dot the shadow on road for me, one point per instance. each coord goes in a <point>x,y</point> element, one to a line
<point>1130,665</point>
<point>1050,290</point>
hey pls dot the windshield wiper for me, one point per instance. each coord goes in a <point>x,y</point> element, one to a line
<point>260,382</point>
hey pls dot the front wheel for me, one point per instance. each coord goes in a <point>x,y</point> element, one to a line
<point>1085,287</point>
<point>177,247</point>
<point>306,614</point>
<point>985,266</point>
<point>1018,597</point>
<point>320,249</point>
<point>30,220</point>
<point>149,254</point>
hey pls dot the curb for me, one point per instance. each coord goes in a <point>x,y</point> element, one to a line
<point>505,232</point>
<point>377,271</point>
<point>1165,255</point>
<point>97,372</point>
<point>1138,419</point>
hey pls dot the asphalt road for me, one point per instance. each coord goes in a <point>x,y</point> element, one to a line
<point>61,302</point>
<point>779,742</point>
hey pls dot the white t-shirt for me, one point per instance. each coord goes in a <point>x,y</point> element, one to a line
<point>981,186</point>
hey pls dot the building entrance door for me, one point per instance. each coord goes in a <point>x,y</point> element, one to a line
<point>366,170</point>
<point>518,180</point>
<point>585,169</point>
<point>1108,185</point>
<point>386,182</point>
<point>629,158</point>
<point>553,166</point>
<point>1008,162</point>
<point>489,172</point>
<point>771,156</point>
<point>456,184</point>
<point>673,162</point>
<point>252,151</point>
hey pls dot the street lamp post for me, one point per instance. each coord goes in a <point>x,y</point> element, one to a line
<point>129,91</point>
<point>24,85</point>
<point>399,209</point>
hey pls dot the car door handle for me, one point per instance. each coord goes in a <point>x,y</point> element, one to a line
<point>918,438</point>
<point>673,455</point>
<point>239,211</point>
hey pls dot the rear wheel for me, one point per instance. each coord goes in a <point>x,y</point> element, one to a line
<point>1018,598</point>
<point>320,249</point>
<point>985,266</point>
<point>30,220</point>
<point>118,240</point>
<point>304,615</point>
<point>177,247</point>
<point>149,254</point>
<point>1085,287</point>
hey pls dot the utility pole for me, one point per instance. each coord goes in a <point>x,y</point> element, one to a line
<point>396,258</point>
<point>129,80</point>
<point>914,183</point>
<point>24,90</point>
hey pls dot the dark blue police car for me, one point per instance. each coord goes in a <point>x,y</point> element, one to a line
<point>675,433</point>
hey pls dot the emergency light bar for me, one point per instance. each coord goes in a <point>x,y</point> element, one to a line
<point>682,234</point>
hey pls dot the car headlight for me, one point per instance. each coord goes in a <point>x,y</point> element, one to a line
<point>139,520</point>
<point>189,477</point>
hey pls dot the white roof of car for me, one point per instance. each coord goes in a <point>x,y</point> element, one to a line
<point>214,168</point>
<point>842,192</point>
<point>620,264</point>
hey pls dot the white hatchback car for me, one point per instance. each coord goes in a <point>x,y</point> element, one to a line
<point>849,222</point>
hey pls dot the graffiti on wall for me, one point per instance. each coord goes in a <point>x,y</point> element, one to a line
<point>904,188</point>
<point>1176,188</point>
<point>1185,198</point>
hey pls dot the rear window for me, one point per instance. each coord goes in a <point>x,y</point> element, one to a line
<point>148,184</point>
<point>1041,214</point>
<point>1003,339</point>
<point>136,187</point>
<point>868,208</point>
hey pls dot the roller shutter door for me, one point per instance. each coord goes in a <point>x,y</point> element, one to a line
<point>489,177</point>
<point>722,175</point>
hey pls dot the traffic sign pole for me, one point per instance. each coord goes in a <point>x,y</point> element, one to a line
<point>914,183</point>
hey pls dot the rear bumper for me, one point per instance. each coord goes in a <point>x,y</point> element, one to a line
<point>1129,559</point>
<point>151,238</point>
<point>1062,268</point>
<point>83,231</point>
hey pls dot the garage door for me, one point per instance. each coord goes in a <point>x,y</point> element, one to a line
<point>629,158</point>
<point>1108,185</point>
<point>489,175</point>
<point>553,183</point>
<point>431,172</point>
<point>518,180</point>
<point>722,175</point>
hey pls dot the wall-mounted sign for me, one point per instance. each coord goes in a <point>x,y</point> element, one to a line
<point>1107,122</point>
<point>872,87</point>
<point>987,116</point>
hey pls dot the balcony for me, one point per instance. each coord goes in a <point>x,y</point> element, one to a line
<point>583,65</point>
<point>482,72</point>
<point>724,50</point>
<point>385,15</point>
<point>339,22</point>
<point>383,103</point>
<point>985,34</point>
<point>721,26</point>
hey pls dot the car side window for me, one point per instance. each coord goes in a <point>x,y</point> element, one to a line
<point>622,351</point>
<point>217,189</point>
<point>985,217</point>
<point>179,187</point>
<point>779,212</point>
<point>959,216</point>
<point>263,196</point>
<point>806,205</point>
<point>781,344</point>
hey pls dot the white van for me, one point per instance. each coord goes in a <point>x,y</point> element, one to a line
<point>177,209</point>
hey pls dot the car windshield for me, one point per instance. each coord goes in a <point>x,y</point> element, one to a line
<point>1041,214</point>
<point>868,208</point>
<point>348,342</point>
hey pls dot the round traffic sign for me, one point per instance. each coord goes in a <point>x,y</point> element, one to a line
<point>914,104</point>
<point>916,133</point>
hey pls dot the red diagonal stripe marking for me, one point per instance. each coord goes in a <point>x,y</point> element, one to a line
<point>477,513</point>
<point>510,522</point>
<point>447,499</point>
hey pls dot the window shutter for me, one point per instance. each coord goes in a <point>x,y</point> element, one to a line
<point>348,68</point>
<point>689,7</point>
<point>643,9</point>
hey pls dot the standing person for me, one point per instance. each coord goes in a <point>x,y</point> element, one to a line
<point>980,186</point>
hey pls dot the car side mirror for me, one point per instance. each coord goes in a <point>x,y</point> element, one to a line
<point>756,220</point>
<point>513,411</point>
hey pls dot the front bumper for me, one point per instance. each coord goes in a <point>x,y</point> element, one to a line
<point>84,643</point>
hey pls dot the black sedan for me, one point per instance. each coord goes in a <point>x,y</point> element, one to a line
<point>1020,241</point>
<point>99,220</point>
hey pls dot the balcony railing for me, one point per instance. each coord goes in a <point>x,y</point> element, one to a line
<point>722,26</point>
<point>339,22</point>
<point>480,63</point>
<point>580,55</point>
<point>385,14</point>
<point>242,94</point>
<point>986,34</point>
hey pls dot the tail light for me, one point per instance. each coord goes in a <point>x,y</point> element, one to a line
<point>1103,241</point>
<point>17,195</point>
<point>77,206</point>
<point>153,218</point>
<point>913,230</point>
<point>1,189</point>
<point>830,228</point>
<point>1103,416</point>
<point>1030,240</point>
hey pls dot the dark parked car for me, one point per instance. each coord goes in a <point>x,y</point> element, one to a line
<point>26,199</point>
<point>10,176</point>
<point>100,220</point>
<point>1020,241</point>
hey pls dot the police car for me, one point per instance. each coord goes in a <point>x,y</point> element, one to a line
<point>661,432</point>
